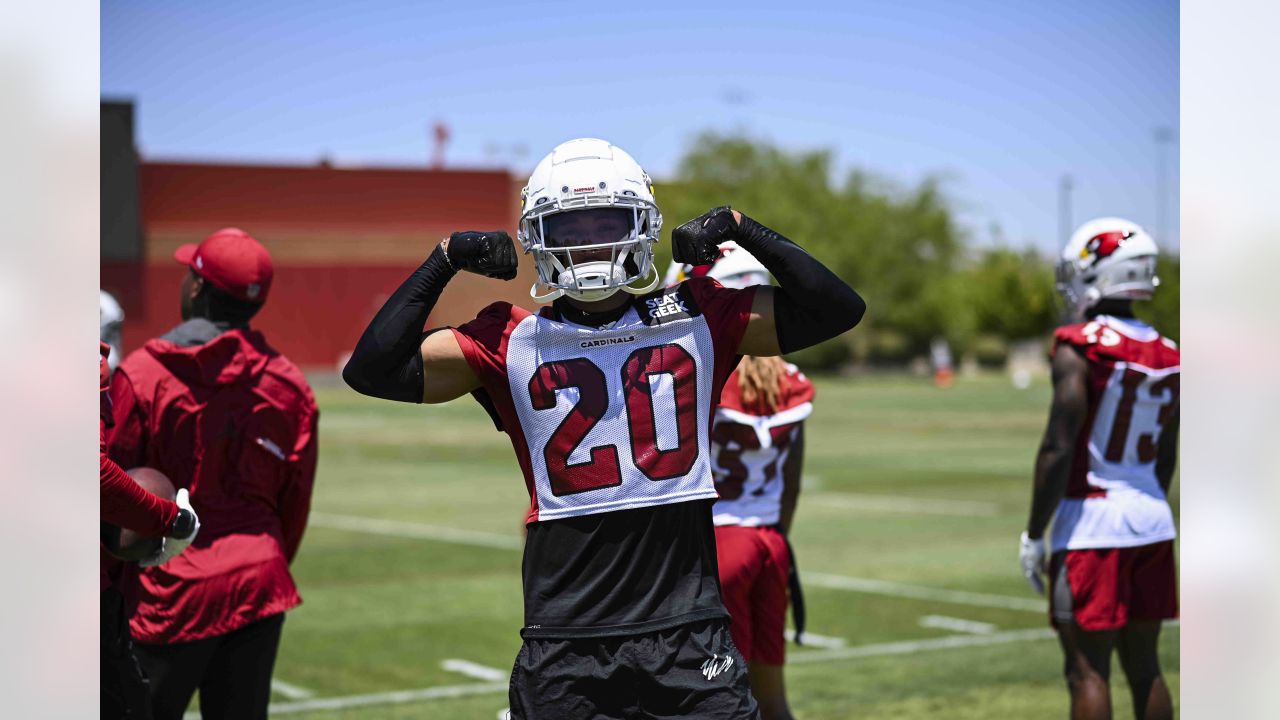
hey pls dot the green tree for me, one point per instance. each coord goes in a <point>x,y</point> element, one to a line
<point>1012,294</point>
<point>1163,310</point>
<point>899,248</point>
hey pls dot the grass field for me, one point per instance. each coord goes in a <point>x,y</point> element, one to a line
<point>906,536</point>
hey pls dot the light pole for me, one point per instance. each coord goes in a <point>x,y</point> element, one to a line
<point>1064,209</point>
<point>1164,138</point>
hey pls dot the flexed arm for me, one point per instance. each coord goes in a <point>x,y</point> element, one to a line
<point>811,304</point>
<point>393,360</point>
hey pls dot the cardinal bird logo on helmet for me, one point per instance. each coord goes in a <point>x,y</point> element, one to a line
<point>1103,245</point>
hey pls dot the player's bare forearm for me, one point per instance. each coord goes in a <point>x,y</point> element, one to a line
<point>792,470</point>
<point>446,374</point>
<point>761,336</point>
<point>810,305</point>
<point>1167,457</point>
<point>1057,448</point>
<point>1053,467</point>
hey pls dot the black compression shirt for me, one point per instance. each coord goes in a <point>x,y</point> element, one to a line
<point>581,574</point>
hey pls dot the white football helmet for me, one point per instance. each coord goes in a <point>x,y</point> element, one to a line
<point>110,325</point>
<point>738,268</point>
<point>589,174</point>
<point>1107,258</point>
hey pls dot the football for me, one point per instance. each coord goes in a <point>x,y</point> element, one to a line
<point>126,544</point>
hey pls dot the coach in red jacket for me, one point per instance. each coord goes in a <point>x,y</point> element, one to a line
<point>220,412</point>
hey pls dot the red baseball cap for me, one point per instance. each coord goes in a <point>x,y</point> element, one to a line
<point>233,261</point>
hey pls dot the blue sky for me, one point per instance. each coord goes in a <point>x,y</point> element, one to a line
<point>1001,98</point>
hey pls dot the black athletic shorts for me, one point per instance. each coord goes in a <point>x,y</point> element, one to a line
<point>688,671</point>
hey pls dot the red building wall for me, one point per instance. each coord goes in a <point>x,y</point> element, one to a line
<point>341,241</point>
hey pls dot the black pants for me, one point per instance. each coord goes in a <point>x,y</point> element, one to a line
<point>232,672</point>
<point>124,686</point>
<point>688,671</point>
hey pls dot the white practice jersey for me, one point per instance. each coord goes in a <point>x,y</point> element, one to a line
<point>1113,497</point>
<point>750,445</point>
<point>614,418</point>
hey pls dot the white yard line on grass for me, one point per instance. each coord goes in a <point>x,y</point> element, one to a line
<point>399,697</point>
<point>475,670</point>
<point>402,697</point>
<point>822,641</point>
<point>417,531</point>
<point>942,622</point>
<point>905,504</point>
<point>915,646</point>
<point>457,536</point>
<point>293,692</point>
<point>918,592</point>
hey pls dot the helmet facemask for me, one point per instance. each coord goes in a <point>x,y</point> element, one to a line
<point>592,252</point>
<point>1132,278</point>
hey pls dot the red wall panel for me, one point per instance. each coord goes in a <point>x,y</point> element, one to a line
<point>342,241</point>
<point>324,197</point>
<point>314,315</point>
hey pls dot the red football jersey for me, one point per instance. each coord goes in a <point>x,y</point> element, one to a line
<point>123,501</point>
<point>1113,498</point>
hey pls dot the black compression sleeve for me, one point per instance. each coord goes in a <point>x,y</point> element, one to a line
<point>811,304</point>
<point>387,362</point>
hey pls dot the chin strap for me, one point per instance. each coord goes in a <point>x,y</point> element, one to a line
<point>545,298</point>
<point>635,288</point>
<point>639,286</point>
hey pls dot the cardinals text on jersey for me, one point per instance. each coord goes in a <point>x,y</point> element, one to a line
<point>1113,497</point>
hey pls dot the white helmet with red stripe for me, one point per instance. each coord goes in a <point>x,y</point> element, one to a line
<point>1107,258</point>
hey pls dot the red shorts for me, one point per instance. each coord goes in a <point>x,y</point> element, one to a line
<point>753,579</point>
<point>1104,588</point>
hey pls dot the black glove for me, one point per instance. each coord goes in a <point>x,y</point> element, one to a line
<point>697,241</point>
<point>491,254</point>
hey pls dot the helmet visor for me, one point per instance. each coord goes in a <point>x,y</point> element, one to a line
<point>590,227</point>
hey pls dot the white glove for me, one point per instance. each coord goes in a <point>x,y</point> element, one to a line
<point>1031,555</point>
<point>171,547</point>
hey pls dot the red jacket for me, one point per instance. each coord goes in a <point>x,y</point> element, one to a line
<point>124,502</point>
<point>226,416</point>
